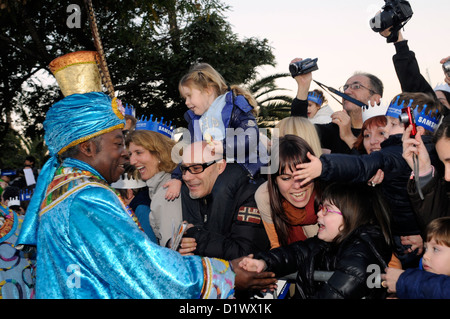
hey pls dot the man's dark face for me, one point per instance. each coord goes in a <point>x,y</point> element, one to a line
<point>110,160</point>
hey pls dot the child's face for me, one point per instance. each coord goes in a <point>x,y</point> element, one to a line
<point>313,108</point>
<point>436,258</point>
<point>330,222</point>
<point>198,101</point>
<point>394,126</point>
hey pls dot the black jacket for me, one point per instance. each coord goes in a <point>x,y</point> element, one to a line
<point>349,260</point>
<point>350,168</point>
<point>408,72</point>
<point>436,202</point>
<point>328,133</point>
<point>227,223</point>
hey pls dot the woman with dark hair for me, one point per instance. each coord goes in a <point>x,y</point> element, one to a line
<point>434,184</point>
<point>292,207</point>
<point>353,238</point>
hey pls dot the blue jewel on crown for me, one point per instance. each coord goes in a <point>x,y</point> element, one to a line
<point>25,195</point>
<point>314,97</point>
<point>428,120</point>
<point>129,110</point>
<point>395,109</point>
<point>148,124</point>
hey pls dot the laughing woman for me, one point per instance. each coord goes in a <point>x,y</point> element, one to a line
<point>150,153</point>
<point>288,210</point>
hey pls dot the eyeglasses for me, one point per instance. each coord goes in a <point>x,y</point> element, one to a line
<point>355,86</point>
<point>325,210</point>
<point>196,168</point>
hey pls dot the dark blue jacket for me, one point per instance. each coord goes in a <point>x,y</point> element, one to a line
<point>237,114</point>
<point>415,283</point>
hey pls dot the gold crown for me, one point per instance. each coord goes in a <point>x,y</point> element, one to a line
<point>77,72</point>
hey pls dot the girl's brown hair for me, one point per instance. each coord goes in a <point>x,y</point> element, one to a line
<point>439,230</point>
<point>359,204</point>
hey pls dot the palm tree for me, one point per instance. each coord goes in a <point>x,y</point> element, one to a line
<point>273,107</point>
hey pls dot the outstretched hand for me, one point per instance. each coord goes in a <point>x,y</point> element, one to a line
<point>252,280</point>
<point>308,171</point>
<point>250,264</point>
<point>390,278</point>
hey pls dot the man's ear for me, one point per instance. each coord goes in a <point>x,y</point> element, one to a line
<point>375,98</point>
<point>222,164</point>
<point>87,148</point>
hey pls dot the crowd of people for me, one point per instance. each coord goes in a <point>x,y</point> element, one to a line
<point>352,191</point>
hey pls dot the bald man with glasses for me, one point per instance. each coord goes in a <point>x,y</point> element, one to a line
<point>339,135</point>
<point>218,228</point>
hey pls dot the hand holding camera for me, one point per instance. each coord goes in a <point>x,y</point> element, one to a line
<point>446,68</point>
<point>395,14</point>
<point>407,118</point>
<point>301,71</point>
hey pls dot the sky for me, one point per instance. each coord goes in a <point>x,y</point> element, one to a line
<point>337,32</point>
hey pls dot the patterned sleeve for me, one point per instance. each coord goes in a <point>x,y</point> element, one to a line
<point>218,280</point>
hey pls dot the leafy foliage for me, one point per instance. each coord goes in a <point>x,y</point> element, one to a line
<point>149,45</point>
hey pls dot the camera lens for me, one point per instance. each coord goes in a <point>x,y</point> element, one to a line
<point>404,118</point>
<point>446,68</point>
<point>294,69</point>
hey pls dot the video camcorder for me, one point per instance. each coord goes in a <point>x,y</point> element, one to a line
<point>303,67</point>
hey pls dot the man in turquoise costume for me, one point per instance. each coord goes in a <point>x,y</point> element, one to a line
<point>89,245</point>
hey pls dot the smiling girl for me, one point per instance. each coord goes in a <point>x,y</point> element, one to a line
<point>353,235</point>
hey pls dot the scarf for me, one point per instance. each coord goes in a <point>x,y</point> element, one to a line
<point>211,121</point>
<point>299,217</point>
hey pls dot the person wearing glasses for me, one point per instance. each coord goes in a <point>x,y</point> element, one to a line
<point>397,173</point>
<point>229,232</point>
<point>340,135</point>
<point>353,235</point>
